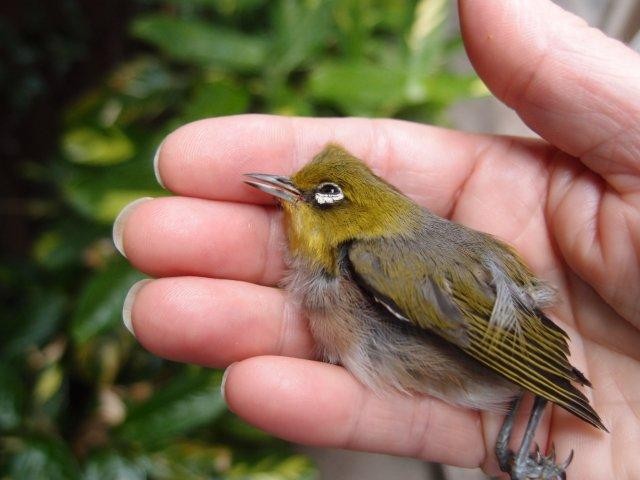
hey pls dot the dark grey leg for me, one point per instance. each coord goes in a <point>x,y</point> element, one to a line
<point>520,465</point>
<point>527,465</point>
<point>502,444</point>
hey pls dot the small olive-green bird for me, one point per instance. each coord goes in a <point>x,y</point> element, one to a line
<point>405,299</point>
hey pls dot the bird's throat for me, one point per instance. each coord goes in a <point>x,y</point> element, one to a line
<point>316,248</point>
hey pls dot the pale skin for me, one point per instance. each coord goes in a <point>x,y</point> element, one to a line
<point>570,203</point>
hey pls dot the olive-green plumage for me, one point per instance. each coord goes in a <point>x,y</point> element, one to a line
<point>403,297</point>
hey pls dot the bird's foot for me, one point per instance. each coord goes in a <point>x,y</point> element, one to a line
<point>538,466</point>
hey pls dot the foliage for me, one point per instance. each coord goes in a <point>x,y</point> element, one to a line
<point>78,397</point>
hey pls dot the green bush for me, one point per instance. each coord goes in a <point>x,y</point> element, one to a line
<point>78,397</point>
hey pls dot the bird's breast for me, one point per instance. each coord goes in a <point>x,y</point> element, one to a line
<point>328,303</point>
<point>385,353</point>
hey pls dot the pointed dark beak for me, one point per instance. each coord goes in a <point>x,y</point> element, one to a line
<point>275,185</point>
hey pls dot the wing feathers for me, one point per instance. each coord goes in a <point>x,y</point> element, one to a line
<point>478,311</point>
<point>552,387</point>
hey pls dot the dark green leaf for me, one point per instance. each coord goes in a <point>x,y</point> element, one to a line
<point>42,458</point>
<point>355,20</point>
<point>301,29</point>
<point>294,467</point>
<point>138,90</point>
<point>201,43</point>
<point>190,460</point>
<point>358,88</point>
<point>100,304</point>
<point>215,99</point>
<point>232,427</point>
<point>141,78</point>
<point>143,89</point>
<point>100,193</point>
<point>393,16</point>
<point>111,465</point>
<point>189,401</point>
<point>224,7</point>
<point>12,394</point>
<point>31,326</point>
<point>231,7</point>
<point>67,243</point>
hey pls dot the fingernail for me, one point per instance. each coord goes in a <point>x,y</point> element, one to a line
<point>223,383</point>
<point>128,303</point>
<point>156,168</point>
<point>118,226</point>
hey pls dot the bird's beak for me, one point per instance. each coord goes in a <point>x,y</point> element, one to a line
<point>275,185</point>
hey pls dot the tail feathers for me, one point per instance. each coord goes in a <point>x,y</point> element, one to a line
<point>579,406</point>
<point>580,378</point>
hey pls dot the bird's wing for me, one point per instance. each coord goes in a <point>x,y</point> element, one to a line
<point>465,303</point>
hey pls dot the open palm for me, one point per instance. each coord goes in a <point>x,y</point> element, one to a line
<point>570,205</point>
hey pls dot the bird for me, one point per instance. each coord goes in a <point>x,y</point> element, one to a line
<point>406,300</point>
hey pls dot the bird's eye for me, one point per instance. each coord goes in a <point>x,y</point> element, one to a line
<point>328,193</point>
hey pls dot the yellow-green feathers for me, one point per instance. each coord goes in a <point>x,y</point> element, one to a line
<point>371,208</point>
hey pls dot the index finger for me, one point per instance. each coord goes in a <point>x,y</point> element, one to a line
<point>207,158</point>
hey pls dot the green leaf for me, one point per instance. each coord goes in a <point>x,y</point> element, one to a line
<point>229,7</point>
<point>111,465</point>
<point>216,99</point>
<point>90,146</point>
<point>426,46</point>
<point>138,90</point>
<point>232,427</point>
<point>40,458</point>
<point>201,43</point>
<point>446,88</point>
<point>141,78</point>
<point>355,20</point>
<point>141,90</point>
<point>301,29</point>
<point>100,304</point>
<point>33,325</point>
<point>359,88</point>
<point>189,401</point>
<point>48,384</point>
<point>113,201</point>
<point>295,467</point>
<point>12,394</point>
<point>100,193</point>
<point>190,460</point>
<point>290,103</point>
<point>66,245</point>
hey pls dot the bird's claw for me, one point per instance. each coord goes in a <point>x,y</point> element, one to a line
<point>540,467</point>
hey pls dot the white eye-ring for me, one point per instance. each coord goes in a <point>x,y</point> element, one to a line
<point>328,193</point>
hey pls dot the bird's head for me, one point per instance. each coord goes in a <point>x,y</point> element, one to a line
<point>332,200</point>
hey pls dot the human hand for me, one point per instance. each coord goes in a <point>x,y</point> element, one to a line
<point>570,205</point>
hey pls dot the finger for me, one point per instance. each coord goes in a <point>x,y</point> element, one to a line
<point>576,87</point>
<point>319,404</point>
<point>186,236</point>
<point>207,158</point>
<point>175,236</point>
<point>217,322</point>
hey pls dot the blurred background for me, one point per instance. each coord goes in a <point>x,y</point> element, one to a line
<point>89,89</point>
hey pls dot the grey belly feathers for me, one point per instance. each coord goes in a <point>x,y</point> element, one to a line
<point>363,336</point>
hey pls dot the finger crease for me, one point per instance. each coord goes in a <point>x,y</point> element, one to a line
<point>268,247</point>
<point>521,90</point>
<point>352,433</point>
<point>421,416</point>
<point>479,158</point>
